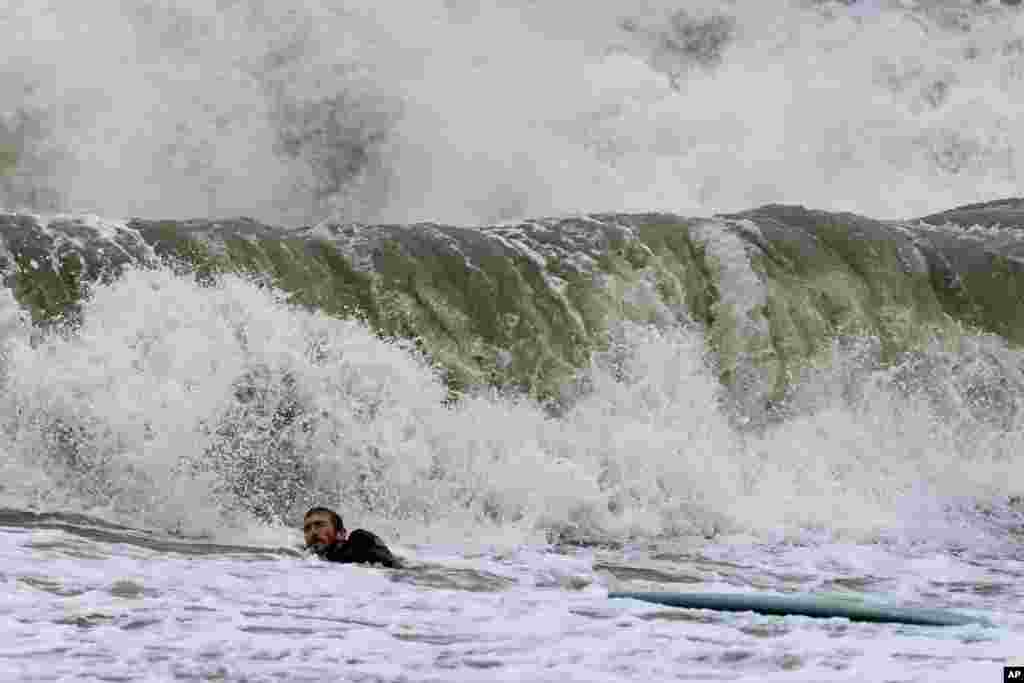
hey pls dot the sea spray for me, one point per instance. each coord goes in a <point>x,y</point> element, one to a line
<point>311,110</point>
<point>200,408</point>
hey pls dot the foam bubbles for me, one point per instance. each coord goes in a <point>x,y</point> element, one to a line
<point>209,410</point>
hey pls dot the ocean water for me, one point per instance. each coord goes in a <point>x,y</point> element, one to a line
<point>155,461</point>
<point>123,560</point>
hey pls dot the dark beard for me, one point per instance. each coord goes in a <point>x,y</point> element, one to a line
<point>318,549</point>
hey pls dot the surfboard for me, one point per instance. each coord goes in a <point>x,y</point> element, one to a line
<point>823,607</point>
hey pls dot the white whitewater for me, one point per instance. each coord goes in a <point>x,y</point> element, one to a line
<point>877,495</point>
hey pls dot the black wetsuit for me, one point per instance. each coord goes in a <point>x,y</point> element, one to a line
<point>361,546</point>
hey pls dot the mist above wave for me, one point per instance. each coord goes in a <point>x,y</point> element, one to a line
<point>471,111</point>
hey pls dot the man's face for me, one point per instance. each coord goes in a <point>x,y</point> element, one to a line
<point>318,528</point>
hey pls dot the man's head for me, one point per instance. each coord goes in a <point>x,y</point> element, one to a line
<point>322,526</point>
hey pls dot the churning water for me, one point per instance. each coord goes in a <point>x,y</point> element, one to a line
<point>153,461</point>
<point>165,420</point>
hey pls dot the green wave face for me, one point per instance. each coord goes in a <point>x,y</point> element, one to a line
<point>610,322</point>
<point>523,307</point>
<point>8,159</point>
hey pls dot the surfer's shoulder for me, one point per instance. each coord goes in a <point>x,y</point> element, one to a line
<point>364,547</point>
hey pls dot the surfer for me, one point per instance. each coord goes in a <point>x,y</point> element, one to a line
<point>325,535</point>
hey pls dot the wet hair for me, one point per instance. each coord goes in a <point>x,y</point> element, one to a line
<point>335,517</point>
